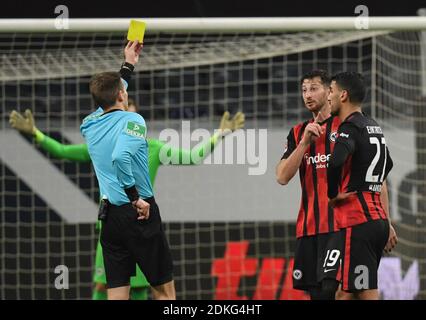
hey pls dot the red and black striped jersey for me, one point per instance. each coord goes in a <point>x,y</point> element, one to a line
<point>315,215</point>
<point>364,170</point>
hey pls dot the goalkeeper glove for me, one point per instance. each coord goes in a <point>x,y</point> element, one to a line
<point>23,124</point>
<point>228,125</point>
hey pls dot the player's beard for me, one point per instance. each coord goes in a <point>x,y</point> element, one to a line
<point>314,106</point>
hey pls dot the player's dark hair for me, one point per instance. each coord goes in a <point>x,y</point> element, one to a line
<point>322,74</point>
<point>105,87</point>
<point>353,83</point>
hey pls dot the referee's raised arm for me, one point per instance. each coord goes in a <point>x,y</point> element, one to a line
<point>131,58</point>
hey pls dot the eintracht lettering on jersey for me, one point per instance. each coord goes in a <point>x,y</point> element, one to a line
<point>320,160</point>
<point>374,130</point>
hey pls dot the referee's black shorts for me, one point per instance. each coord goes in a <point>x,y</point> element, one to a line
<point>127,241</point>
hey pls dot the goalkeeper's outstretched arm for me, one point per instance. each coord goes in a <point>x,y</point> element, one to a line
<point>226,126</point>
<point>26,125</point>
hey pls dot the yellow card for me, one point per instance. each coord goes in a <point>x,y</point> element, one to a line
<point>136,30</point>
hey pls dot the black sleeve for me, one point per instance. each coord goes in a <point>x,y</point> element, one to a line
<point>126,71</point>
<point>334,171</point>
<point>348,134</point>
<point>389,164</point>
<point>290,146</point>
<point>345,146</point>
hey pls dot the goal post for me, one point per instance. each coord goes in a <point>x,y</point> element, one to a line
<point>215,25</point>
<point>194,69</point>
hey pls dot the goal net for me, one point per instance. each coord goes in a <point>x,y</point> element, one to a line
<point>232,234</point>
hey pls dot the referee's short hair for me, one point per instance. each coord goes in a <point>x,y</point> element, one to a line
<point>105,87</point>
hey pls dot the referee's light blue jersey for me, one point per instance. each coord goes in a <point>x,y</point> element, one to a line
<point>119,151</point>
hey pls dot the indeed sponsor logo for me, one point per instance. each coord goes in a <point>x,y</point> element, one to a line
<point>319,159</point>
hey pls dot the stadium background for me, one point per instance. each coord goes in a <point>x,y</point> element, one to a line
<point>250,217</point>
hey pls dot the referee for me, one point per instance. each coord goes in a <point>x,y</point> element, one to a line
<point>132,231</point>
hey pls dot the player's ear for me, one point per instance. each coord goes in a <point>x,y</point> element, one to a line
<point>344,96</point>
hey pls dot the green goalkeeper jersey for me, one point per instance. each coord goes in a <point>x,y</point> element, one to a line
<point>79,152</point>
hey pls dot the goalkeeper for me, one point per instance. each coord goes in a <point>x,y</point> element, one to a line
<point>79,153</point>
